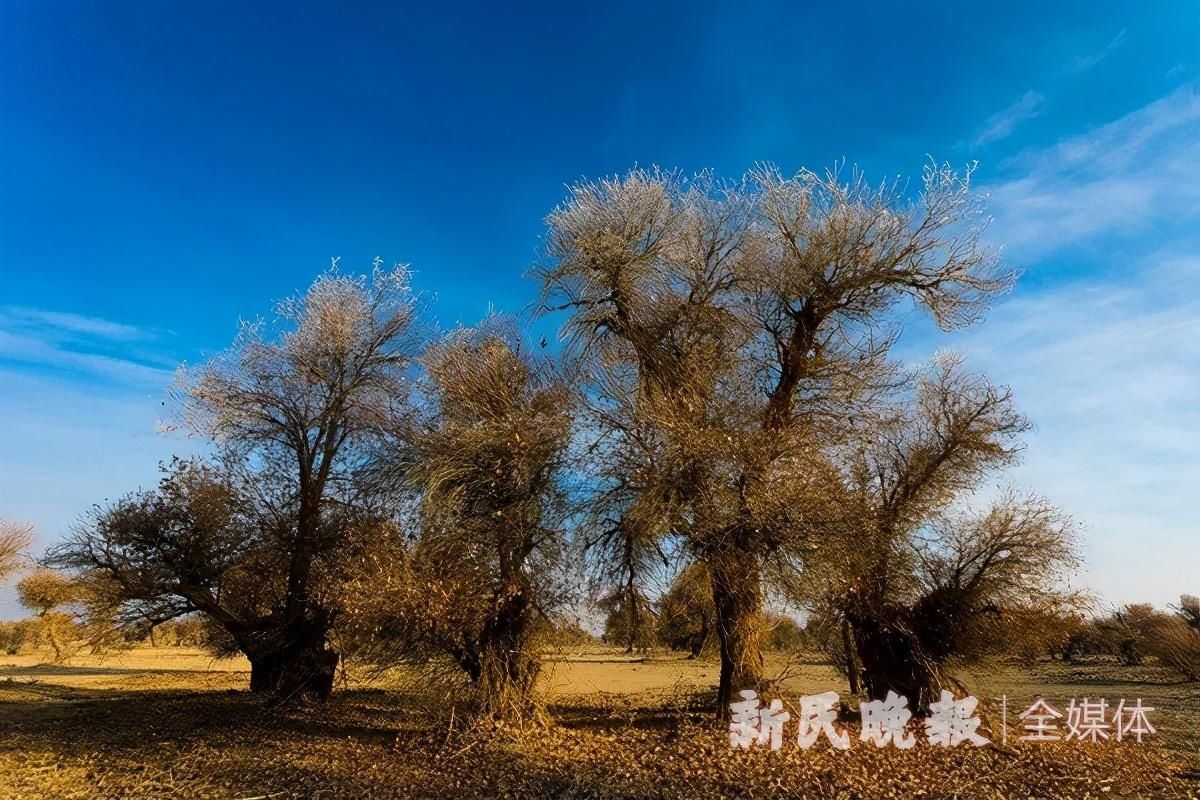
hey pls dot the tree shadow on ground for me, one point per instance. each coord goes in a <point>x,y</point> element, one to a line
<point>56,718</point>
<point>69,671</point>
<point>231,743</point>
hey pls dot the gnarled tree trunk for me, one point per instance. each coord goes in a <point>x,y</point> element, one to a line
<point>293,663</point>
<point>507,670</point>
<point>737,597</point>
<point>902,648</point>
<point>892,661</point>
<point>851,659</point>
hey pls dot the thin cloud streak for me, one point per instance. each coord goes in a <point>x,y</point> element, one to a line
<point>70,444</point>
<point>81,347</point>
<point>1001,124</point>
<point>1109,367</point>
<point>1084,63</point>
<point>1116,179</point>
<point>77,324</point>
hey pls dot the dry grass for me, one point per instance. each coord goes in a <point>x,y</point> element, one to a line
<point>169,722</point>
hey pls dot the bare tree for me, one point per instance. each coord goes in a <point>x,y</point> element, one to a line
<point>629,618</point>
<point>44,592</point>
<point>483,463</point>
<point>626,503</point>
<point>294,407</point>
<point>742,324</point>
<point>15,539</point>
<point>915,576</point>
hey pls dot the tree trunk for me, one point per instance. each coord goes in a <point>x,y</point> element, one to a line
<point>294,664</point>
<point>264,672</point>
<point>507,670</point>
<point>631,619</point>
<point>851,660</point>
<point>737,597</point>
<point>892,661</point>
<point>630,596</point>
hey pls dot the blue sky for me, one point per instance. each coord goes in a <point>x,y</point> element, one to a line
<point>168,168</point>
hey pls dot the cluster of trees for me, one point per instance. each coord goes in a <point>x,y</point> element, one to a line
<point>1132,633</point>
<point>682,618</point>
<point>65,613</point>
<point>68,631</point>
<point>725,400</point>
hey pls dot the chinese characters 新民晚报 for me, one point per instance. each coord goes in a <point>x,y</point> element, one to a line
<point>950,721</point>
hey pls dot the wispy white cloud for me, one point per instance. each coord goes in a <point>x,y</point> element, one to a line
<point>1117,178</point>
<point>1109,370</point>
<point>81,398</point>
<point>84,346</point>
<point>1108,367</point>
<point>69,444</point>
<point>1178,71</point>
<point>1001,124</point>
<point>1084,63</point>
<point>77,324</point>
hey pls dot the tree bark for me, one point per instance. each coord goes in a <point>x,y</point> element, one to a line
<point>737,597</point>
<point>851,660</point>
<point>892,661</point>
<point>902,648</point>
<point>506,669</point>
<point>294,664</point>
<point>630,597</point>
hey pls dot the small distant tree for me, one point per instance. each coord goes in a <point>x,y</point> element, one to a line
<point>686,617</point>
<point>1126,631</point>
<point>15,538</point>
<point>16,634</point>
<point>568,633</point>
<point>783,633</point>
<point>45,592</point>
<point>629,619</point>
<point>1188,610</point>
<point>1176,643</point>
<point>1136,631</point>
<point>186,632</point>
<point>828,633</point>
<point>1176,646</point>
<point>1032,631</point>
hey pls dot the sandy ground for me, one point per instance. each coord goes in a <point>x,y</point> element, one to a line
<point>646,679</point>
<point>175,722</point>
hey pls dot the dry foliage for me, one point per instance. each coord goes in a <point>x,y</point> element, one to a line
<point>480,467</point>
<point>15,538</point>
<point>920,579</point>
<point>728,331</point>
<point>371,744</point>
<point>255,539</point>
